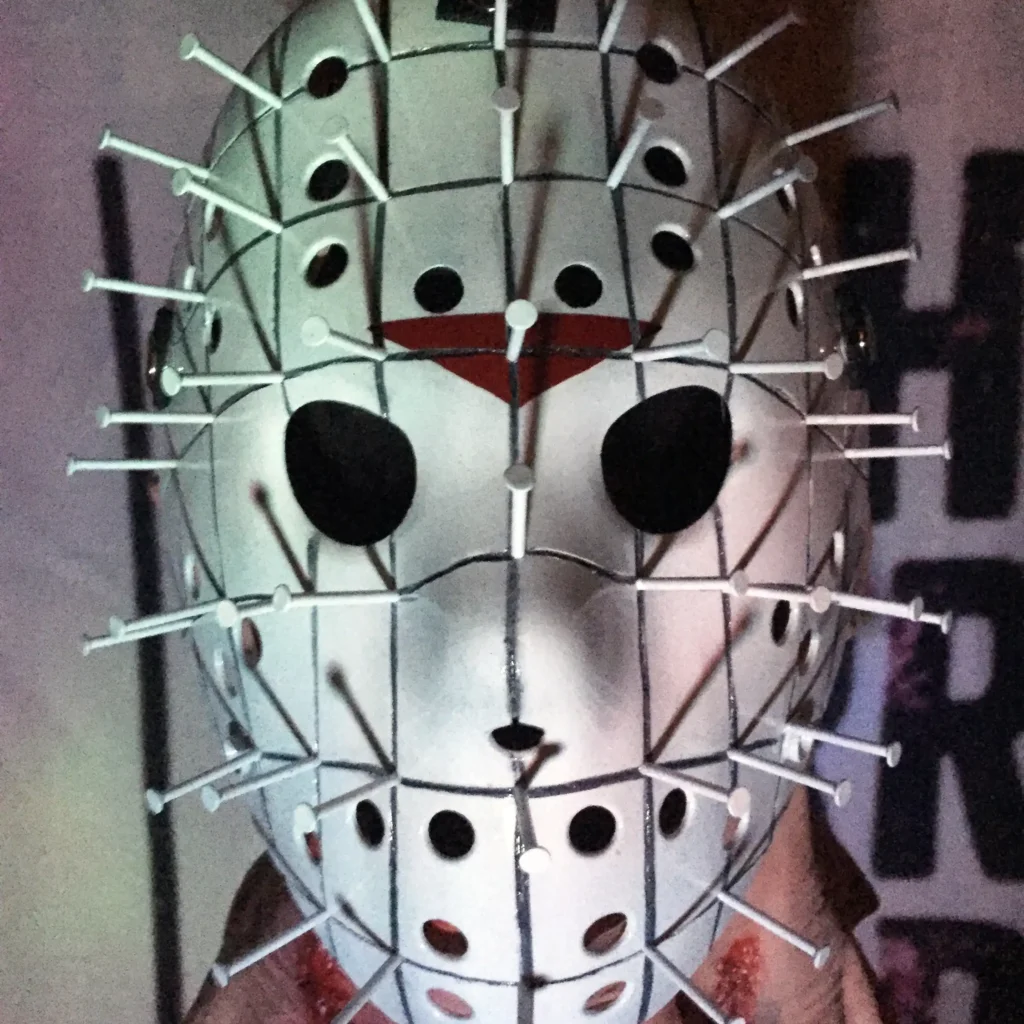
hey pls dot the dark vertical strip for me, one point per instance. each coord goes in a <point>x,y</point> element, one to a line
<point>152,665</point>
<point>527,982</point>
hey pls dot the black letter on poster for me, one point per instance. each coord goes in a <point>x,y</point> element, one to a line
<point>978,339</point>
<point>977,734</point>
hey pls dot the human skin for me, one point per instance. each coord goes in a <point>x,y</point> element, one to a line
<point>806,881</point>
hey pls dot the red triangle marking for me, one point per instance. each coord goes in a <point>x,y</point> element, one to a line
<point>537,372</point>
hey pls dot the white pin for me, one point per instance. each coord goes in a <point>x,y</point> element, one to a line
<point>534,859</point>
<point>840,792</point>
<point>715,345</point>
<point>130,636</point>
<point>90,282</point>
<point>172,381</point>
<point>106,417</point>
<point>347,598</point>
<point>649,111</point>
<point>753,43</point>
<point>76,465</point>
<point>737,801</point>
<point>911,254</point>
<point>118,627</point>
<point>819,954</point>
<point>519,479</point>
<point>519,318</point>
<point>944,620</point>
<point>213,798</point>
<point>805,170</point>
<point>611,26</point>
<point>108,140</point>
<point>866,419</point>
<point>365,994</point>
<point>912,610</point>
<point>157,799</point>
<point>183,182</point>
<point>308,815</point>
<point>223,973</point>
<point>696,584</point>
<point>506,101</point>
<point>372,30</point>
<point>500,23</point>
<point>819,598</point>
<point>336,132</point>
<point>690,990</point>
<point>832,367</point>
<point>316,332</point>
<point>890,753</point>
<point>842,121</point>
<point>910,451</point>
<point>192,49</point>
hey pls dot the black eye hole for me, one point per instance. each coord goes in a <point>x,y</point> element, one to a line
<point>664,461</point>
<point>352,473</point>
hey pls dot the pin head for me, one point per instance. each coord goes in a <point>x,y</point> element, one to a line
<point>305,820</point>
<point>535,861</point>
<point>650,109</point>
<point>519,477</point>
<point>88,281</point>
<point>188,47</point>
<point>170,381</point>
<point>211,800</point>
<point>154,801</point>
<point>821,957</point>
<point>739,583</point>
<point>102,417</point>
<point>821,599</point>
<point>521,315</point>
<point>806,169</point>
<point>281,598</point>
<point>738,804</point>
<point>335,128</point>
<point>181,181</point>
<point>506,99</point>
<point>105,137</point>
<point>227,613</point>
<point>315,331</point>
<point>716,344</point>
<point>834,366</point>
<point>220,974</point>
<point>844,790</point>
<point>893,754</point>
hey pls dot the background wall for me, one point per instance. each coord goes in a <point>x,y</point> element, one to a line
<point>75,913</point>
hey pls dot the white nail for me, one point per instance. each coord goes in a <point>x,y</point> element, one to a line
<point>944,620</point>
<point>179,615</point>
<point>500,23</point>
<point>506,101</point>
<point>753,43</point>
<point>698,584</point>
<point>805,170</point>
<point>156,800</point>
<point>866,419</point>
<point>819,954</point>
<point>346,598</point>
<point>98,465</point>
<point>909,451</point>
<point>223,973</point>
<point>534,859</point>
<point>839,791</point>
<point>91,282</point>
<point>172,381</point>
<point>192,49</point>
<point>105,417</point>
<point>336,133</point>
<point>306,816</point>
<point>832,367</point>
<point>519,317</point>
<point>611,26</point>
<point>97,643</point>
<point>819,598</point>
<point>519,479</point>
<point>737,801</point>
<point>213,798</point>
<point>888,752</point>
<point>183,182</point>
<point>908,255</point>
<point>372,30</point>
<point>108,140</point>
<point>842,120</point>
<point>690,990</point>
<point>649,111</point>
<point>715,344</point>
<point>316,332</point>
<point>365,994</point>
<point>912,610</point>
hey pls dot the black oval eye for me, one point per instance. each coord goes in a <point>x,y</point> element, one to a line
<point>664,461</point>
<point>352,473</point>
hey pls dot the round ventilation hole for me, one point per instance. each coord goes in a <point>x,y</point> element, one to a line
<point>657,63</point>
<point>327,265</point>
<point>451,834</point>
<point>438,290</point>
<point>327,78</point>
<point>578,286</point>
<point>672,814</point>
<point>673,251</point>
<point>450,1004</point>
<point>604,998</point>
<point>592,830</point>
<point>369,823</point>
<point>517,737</point>
<point>780,621</point>
<point>604,934</point>
<point>444,938</point>
<point>665,460</point>
<point>665,166</point>
<point>327,181</point>
<point>252,643</point>
<point>353,473</point>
